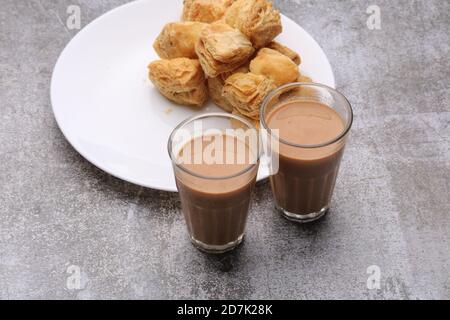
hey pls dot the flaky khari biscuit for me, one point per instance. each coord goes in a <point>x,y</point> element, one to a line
<point>195,97</point>
<point>215,88</point>
<point>294,56</point>
<point>242,69</point>
<point>204,10</point>
<point>301,91</point>
<point>222,48</point>
<point>257,19</point>
<point>178,40</point>
<point>306,91</point>
<point>178,74</point>
<point>180,80</point>
<point>246,92</point>
<point>228,3</point>
<point>239,125</point>
<point>275,66</point>
<point>303,78</point>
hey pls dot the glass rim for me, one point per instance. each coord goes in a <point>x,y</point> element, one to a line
<point>211,115</point>
<point>272,94</point>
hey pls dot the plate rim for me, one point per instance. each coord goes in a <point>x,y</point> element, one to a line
<point>86,156</point>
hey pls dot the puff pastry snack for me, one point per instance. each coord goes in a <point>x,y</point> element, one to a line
<point>215,88</point>
<point>180,80</point>
<point>257,19</point>
<point>302,78</point>
<point>239,125</point>
<point>178,39</point>
<point>204,10</point>
<point>222,48</point>
<point>301,91</point>
<point>291,54</point>
<point>274,65</point>
<point>246,92</point>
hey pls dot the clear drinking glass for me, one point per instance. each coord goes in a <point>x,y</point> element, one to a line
<point>215,195</point>
<point>304,181</point>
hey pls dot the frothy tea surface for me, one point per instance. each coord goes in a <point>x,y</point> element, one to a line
<point>216,156</point>
<point>306,122</point>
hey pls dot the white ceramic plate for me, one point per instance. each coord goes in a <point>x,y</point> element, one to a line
<point>111,113</point>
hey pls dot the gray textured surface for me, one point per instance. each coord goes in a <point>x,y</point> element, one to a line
<point>391,207</point>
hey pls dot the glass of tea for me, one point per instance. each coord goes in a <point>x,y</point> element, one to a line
<point>311,124</point>
<point>215,158</point>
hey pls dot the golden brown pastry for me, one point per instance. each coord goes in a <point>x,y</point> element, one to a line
<point>178,39</point>
<point>274,65</point>
<point>228,3</point>
<point>222,49</point>
<point>257,19</point>
<point>301,91</point>
<point>180,80</point>
<point>246,92</point>
<point>205,10</point>
<point>302,78</point>
<point>304,91</point>
<point>238,125</point>
<point>294,56</point>
<point>242,69</point>
<point>215,88</point>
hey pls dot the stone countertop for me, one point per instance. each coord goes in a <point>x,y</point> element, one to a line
<point>60,216</point>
